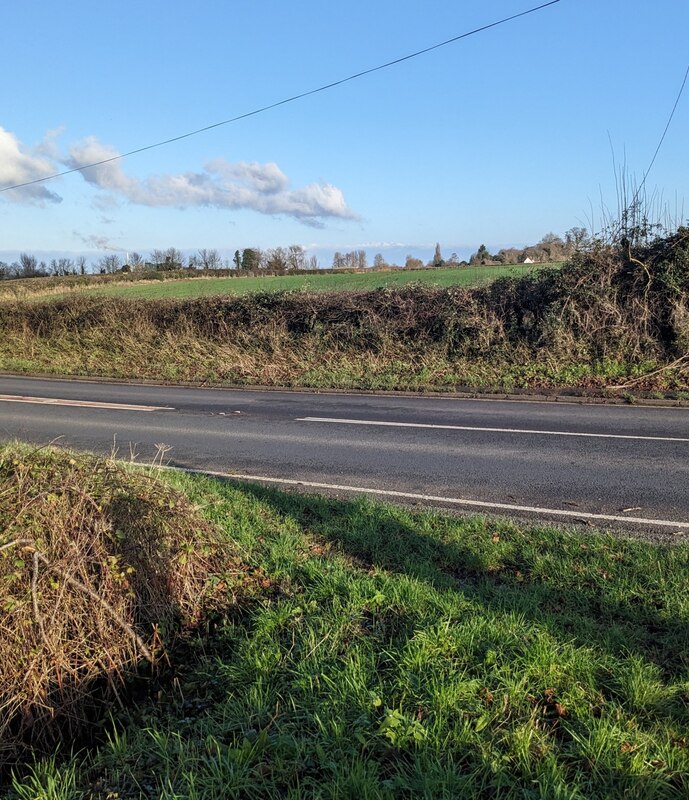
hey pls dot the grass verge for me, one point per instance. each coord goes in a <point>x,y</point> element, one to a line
<point>387,653</point>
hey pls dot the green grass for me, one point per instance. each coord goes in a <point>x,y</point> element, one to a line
<point>387,653</point>
<point>326,282</point>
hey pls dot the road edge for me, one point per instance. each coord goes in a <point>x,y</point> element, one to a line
<point>571,395</point>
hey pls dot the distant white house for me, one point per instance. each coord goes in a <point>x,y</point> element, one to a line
<point>528,260</point>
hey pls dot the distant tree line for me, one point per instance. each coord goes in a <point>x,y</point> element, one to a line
<point>293,258</point>
<point>550,248</point>
<point>28,266</point>
<point>276,260</point>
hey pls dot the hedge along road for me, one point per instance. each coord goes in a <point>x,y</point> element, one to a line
<point>618,467</point>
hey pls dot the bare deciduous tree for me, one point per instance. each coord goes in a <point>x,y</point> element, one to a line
<point>168,259</point>
<point>136,261</point>
<point>356,259</point>
<point>276,259</point>
<point>296,257</point>
<point>62,266</point>
<point>28,265</point>
<point>208,259</point>
<point>109,263</point>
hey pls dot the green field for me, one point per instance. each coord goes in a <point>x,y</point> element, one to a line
<point>463,276</point>
<point>376,652</point>
<point>327,281</point>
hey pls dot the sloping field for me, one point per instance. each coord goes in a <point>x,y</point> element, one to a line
<point>363,281</point>
<point>160,286</point>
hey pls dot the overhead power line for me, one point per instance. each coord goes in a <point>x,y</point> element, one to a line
<point>291,99</point>
<point>665,130</point>
<point>630,208</point>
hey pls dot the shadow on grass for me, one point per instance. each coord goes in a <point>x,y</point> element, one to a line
<point>556,579</point>
<point>532,574</point>
<point>243,725</point>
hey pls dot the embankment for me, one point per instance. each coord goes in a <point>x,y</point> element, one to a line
<point>612,318</point>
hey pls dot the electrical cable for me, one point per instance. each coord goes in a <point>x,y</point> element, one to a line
<point>667,126</point>
<point>291,99</point>
<point>621,223</point>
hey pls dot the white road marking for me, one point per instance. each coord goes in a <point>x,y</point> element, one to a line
<point>488,430</point>
<point>52,401</point>
<point>460,501</point>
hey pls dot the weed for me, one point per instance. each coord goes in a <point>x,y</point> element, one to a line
<point>98,568</point>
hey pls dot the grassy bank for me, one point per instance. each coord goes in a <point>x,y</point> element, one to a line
<point>610,318</point>
<point>384,653</point>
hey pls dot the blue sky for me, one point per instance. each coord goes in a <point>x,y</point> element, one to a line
<point>497,139</point>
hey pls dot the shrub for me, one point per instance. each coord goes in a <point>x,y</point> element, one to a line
<point>100,567</point>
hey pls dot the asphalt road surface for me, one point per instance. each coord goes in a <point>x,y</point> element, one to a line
<point>621,467</point>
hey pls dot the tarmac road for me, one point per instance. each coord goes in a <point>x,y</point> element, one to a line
<point>619,467</point>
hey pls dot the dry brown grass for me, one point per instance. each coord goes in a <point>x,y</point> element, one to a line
<point>100,569</point>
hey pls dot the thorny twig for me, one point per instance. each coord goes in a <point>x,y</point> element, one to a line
<point>632,381</point>
<point>76,584</point>
<point>34,598</point>
<point>133,635</point>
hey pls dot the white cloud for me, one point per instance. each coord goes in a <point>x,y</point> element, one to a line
<point>263,188</point>
<point>265,178</point>
<point>49,147</point>
<point>259,187</point>
<point>105,176</point>
<point>19,164</point>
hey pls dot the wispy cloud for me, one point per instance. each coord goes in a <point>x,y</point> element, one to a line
<point>19,164</point>
<point>97,242</point>
<point>49,146</point>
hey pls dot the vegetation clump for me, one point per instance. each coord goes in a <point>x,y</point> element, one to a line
<point>610,302</point>
<point>100,569</point>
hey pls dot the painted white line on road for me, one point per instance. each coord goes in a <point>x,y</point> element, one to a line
<point>487,430</point>
<point>52,401</point>
<point>459,501</point>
